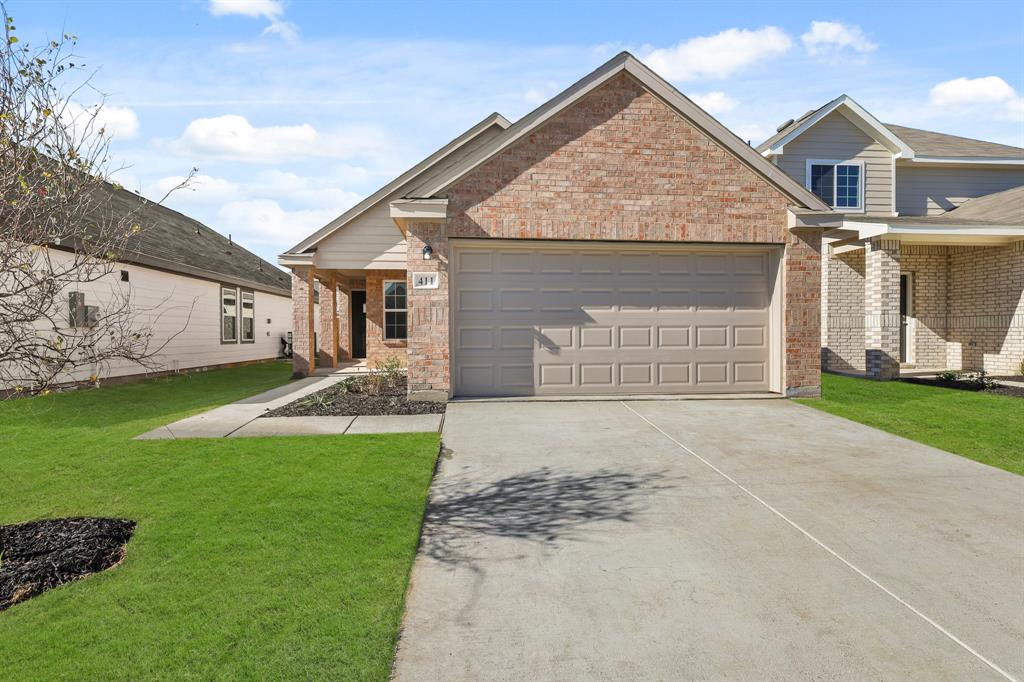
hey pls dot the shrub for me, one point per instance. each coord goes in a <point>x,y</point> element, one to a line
<point>1020,367</point>
<point>979,379</point>
<point>948,375</point>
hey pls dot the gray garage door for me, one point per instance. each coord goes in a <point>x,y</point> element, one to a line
<point>557,318</point>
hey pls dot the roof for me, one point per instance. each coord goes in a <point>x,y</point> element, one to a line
<point>172,241</point>
<point>1000,209</point>
<point>626,62</point>
<point>908,143</point>
<point>402,181</point>
<point>928,143</point>
<point>857,115</point>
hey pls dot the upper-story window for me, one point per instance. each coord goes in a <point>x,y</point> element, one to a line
<point>838,184</point>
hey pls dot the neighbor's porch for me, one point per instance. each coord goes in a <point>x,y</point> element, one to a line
<point>897,305</point>
<point>347,317</point>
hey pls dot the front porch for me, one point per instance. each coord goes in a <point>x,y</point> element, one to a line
<point>896,305</point>
<point>347,320</point>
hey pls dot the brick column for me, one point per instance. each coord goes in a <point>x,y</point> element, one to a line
<point>345,324</point>
<point>428,315</point>
<point>802,273</point>
<point>882,309</point>
<point>302,323</point>
<point>327,340</point>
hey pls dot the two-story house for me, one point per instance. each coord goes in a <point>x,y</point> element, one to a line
<point>923,262</point>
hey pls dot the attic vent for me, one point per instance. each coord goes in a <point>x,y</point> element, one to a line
<point>783,126</point>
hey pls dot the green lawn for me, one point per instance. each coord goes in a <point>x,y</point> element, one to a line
<point>986,428</point>
<point>264,558</point>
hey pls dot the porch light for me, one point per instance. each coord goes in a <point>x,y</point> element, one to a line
<point>428,252</point>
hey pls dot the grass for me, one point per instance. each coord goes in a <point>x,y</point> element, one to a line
<point>264,558</point>
<point>983,427</point>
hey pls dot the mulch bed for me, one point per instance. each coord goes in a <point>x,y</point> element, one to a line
<point>350,399</point>
<point>1011,391</point>
<point>40,555</point>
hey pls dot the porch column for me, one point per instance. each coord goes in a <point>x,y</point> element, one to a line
<point>328,321</point>
<point>303,350</point>
<point>882,309</point>
<point>344,322</point>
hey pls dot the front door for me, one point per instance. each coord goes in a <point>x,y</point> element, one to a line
<point>906,314</point>
<point>358,309</point>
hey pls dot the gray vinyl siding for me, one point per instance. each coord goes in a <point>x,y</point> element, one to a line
<point>836,138</point>
<point>930,191</point>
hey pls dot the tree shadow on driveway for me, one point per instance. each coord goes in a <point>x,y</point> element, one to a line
<point>545,505</point>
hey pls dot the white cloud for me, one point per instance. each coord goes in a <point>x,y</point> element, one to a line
<point>234,137</point>
<point>829,38</point>
<point>720,55</point>
<point>264,222</point>
<point>269,9</point>
<point>755,133</point>
<point>716,102</point>
<point>201,189</point>
<point>989,95</point>
<point>120,123</point>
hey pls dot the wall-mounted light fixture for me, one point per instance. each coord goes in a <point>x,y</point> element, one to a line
<point>428,252</point>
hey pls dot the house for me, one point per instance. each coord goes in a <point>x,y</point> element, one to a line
<point>208,301</point>
<point>616,240</point>
<point>923,267</point>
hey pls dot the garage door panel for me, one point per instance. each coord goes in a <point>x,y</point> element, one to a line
<point>607,319</point>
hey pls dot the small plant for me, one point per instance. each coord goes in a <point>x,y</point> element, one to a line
<point>979,379</point>
<point>949,375</point>
<point>1020,367</point>
<point>318,401</point>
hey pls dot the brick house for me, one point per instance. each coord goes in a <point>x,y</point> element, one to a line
<point>616,240</point>
<point>923,259</point>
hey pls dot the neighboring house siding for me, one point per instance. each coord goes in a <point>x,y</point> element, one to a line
<point>835,138</point>
<point>931,191</point>
<point>171,303</point>
<point>371,241</point>
<point>621,165</point>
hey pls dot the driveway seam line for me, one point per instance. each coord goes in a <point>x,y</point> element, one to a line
<point>828,549</point>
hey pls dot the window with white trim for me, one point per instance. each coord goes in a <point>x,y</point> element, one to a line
<point>840,185</point>
<point>248,317</point>
<point>228,314</point>
<point>396,313</point>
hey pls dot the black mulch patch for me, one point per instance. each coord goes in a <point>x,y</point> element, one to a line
<point>40,555</point>
<point>1012,391</point>
<point>355,401</point>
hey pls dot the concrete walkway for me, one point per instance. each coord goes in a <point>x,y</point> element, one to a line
<point>709,540</point>
<point>244,417</point>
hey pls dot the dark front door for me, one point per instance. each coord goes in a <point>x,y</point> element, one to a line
<point>358,308</point>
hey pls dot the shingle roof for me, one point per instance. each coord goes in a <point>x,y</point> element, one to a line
<point>1002,209</point>
<point>172,241</point>
<point>928,143</point>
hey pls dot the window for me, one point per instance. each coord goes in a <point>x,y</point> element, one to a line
<point>124,275</point>
<point>839,185</point>
<point>228,315</point>
<point>248,317</point>
<point>395,310</point>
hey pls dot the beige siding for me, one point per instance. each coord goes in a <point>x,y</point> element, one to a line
<point>930,191</point>
<point>189,310</point>
<point>372,242</point>
<point>835,138</point>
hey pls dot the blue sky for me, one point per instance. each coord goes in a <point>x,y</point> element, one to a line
<point>293,110</point>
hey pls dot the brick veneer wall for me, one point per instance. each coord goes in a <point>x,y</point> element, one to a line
<point>929,267</point>
<point>986,308</point>
<point>619,165</point>
<point>377,348</point>
<point>325,335</point>
<point>843,349</point>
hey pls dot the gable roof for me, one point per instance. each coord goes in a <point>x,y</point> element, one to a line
<point>446,152</point>
<point>928,143</point>
<point>857,115</point>
<point>1003,208</point>
<point>626,62</point>
<point>172,241</point>
<point>905,143</point>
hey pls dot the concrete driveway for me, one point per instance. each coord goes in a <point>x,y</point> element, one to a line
<point>669,540</point>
